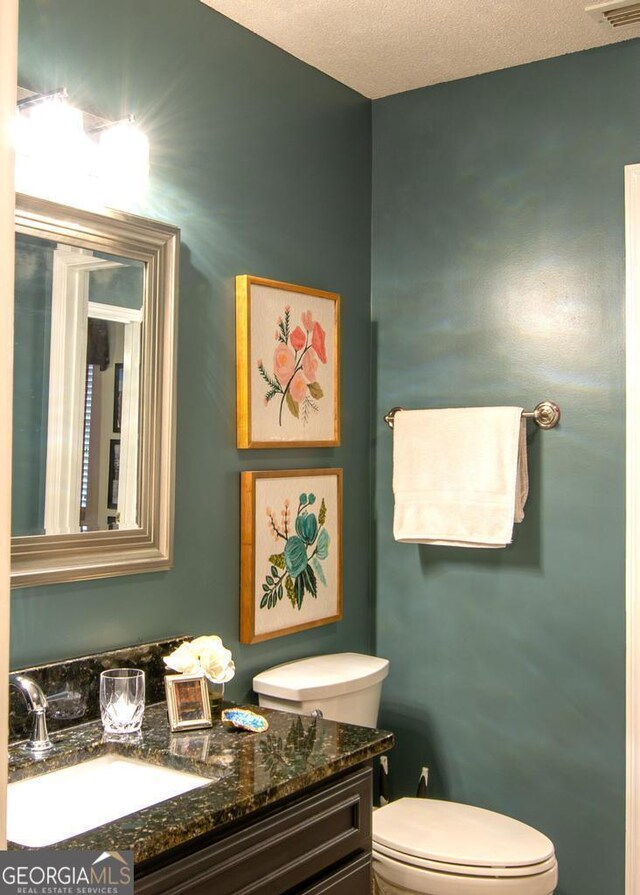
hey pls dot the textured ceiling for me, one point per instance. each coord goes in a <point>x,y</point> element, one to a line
<point>379,47</point>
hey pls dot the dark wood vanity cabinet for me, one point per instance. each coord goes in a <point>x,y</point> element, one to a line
<point>318,843</point>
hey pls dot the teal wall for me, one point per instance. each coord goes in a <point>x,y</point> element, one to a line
<point>498,278</point>
<point>265,165</point>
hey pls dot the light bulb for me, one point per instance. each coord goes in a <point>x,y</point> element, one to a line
<point>123,159</point>
<point>51,148</point>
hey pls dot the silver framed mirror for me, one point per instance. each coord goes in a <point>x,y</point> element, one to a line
<point>94,394</point>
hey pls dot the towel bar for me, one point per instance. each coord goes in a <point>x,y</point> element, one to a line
<point>546,415</point>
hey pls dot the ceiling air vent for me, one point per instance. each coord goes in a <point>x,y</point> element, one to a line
<point>616,15</point>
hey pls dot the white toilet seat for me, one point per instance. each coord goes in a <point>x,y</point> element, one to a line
<point>465,869</point>
<point>443,848</point>
<point>395,877</point>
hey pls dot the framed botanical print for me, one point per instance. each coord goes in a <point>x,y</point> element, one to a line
<point>287,365</point>
<point>291,553</point>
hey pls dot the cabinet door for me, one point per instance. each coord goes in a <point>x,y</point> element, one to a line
<point>279,852</point>
<point>352,879</point>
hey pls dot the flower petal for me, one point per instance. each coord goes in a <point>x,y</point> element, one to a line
<point>310,365</point>
<point>295,556</point>
<point>184,660</point>
<point>217,665</point>
<point>283,363</point>
<point>317,341</point>
<point>307,527</point>
<point>298,387</point>
<point>207,641</point>
<point>298,339</point>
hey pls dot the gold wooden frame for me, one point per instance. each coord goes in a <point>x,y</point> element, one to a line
<point>47,559</point>
<point>171,683</point>
<point>243,363</point>
<point>247,552</point>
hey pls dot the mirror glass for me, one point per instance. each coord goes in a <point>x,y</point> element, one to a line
<point>75,411</point>
<point>94,393</point>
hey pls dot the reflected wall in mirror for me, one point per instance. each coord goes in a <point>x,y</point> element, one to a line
<point>94,387</point>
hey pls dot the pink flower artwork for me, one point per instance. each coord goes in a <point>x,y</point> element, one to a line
<point>298,387</point>
<point>310,365</point>
<point>283,364</point>
<point>294,379</point>
<point>317,340</point>
<point>298,339</point>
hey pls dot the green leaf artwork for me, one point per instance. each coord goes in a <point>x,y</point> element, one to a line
<point>291,591</point>
<point>293,406</point>
<point>295,556</point>
<point>322,550</point>
<point>297,570</point>
<point>315,562</point>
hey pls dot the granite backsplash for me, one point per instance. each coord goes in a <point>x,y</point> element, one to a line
<point>72,686</point>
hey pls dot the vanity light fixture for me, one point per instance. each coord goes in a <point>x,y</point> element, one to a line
<point>29,98</point>
<point>74,157</point>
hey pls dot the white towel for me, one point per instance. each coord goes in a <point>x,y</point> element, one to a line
<point>459,476</point>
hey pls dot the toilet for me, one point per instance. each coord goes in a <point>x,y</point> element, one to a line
<point>420,846</point>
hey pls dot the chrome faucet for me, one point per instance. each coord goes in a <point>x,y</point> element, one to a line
<point>39,742</point>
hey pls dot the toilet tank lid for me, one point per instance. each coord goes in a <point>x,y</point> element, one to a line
<point>458,834</point>
<point>320,677</point>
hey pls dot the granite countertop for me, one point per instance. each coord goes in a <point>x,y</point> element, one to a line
<point>248,772</point>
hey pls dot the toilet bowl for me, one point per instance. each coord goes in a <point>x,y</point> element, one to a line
<point>443,848</point>
<point>420,846</point>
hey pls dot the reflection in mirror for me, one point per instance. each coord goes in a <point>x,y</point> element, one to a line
<point>93,414</point>
<point>78,319</point>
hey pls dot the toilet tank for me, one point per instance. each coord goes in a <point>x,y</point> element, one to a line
<point>343,686</point>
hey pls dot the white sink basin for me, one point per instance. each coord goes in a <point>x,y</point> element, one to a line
<point>55,806</point>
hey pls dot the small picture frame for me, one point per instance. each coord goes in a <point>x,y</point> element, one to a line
<point>287,365</point>
<point>187,701</point>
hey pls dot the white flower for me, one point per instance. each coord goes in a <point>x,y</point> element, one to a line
<point>207,641</point>
<point>217,664</point>
<point>184,660</point>
<point>205,655</point>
